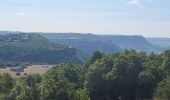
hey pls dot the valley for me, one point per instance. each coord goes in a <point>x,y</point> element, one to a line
<point>82,66</point>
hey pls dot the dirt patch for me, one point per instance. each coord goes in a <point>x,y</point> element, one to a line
<point>33,69</point>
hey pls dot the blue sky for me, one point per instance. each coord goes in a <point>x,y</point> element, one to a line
<point>150,18</point>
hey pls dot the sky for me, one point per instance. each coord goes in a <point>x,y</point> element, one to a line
<point>150,18</point>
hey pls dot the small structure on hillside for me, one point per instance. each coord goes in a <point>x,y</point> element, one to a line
<point>17,69</point>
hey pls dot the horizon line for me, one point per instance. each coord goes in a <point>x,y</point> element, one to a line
<point>108,34</point>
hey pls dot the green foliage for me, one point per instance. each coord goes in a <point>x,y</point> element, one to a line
<point>61,82</point>
<point>129,75</point>
<point>79,95</point>
<point>37,49</point>
<point>166,63</point>
<point>33,81</point>
<point>96,55</point>
<point>163,90</point>
<point>21,91</point>
<point>5,64</point>
<point>6,83</point>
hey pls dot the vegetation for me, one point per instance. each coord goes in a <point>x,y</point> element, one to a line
<point>163,90</point>
<point>33,48</point>
<point>107,44</point>
<point>4,64</point>
<point>129,75</point>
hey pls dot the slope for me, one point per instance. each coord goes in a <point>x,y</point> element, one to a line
<point>34,48</point>
<point>112,43</point>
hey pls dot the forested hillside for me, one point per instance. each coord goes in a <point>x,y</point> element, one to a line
<point>90,46</point>
<point>129,75</point>
<point>88,43</point>
<point>108,43</point>
<point>34,48</point>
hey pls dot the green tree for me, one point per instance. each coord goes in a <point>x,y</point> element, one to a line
<point>33,82</point>
<point>79,95</point>
<point>61,82</point>
<point>6,83</point>
<point>96,55</point>
<point>163,90</point>
<point>21,91</point>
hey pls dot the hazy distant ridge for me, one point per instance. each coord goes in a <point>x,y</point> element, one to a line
<point>119,42</point>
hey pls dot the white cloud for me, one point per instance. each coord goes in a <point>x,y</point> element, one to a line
<point>135,2</point>
<point>21,14</point>
<point>139,3</point>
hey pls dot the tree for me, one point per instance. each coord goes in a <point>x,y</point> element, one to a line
<point>62,83</point>
<point>79,95</point>
<point>96,55</point>
<point>21,91</point>
<point>129,75</point>
<point>6,83</point>
<point>166,61</point>
<point>163,90</point>
<point>33,82</point>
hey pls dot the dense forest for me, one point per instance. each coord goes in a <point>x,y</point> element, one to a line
<point>129,75</point>
<point>34,48</point>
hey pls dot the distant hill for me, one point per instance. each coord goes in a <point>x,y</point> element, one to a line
<point>9,32</point>
<point>163,42</point>
<point>22,47</point>
<point>136,42</point>
<point>88,43</point>
<point>107,43</point>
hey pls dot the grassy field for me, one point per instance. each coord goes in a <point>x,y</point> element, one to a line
<point>33,69</point>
